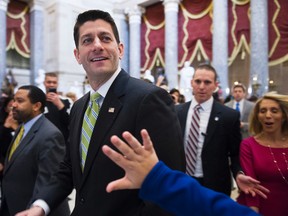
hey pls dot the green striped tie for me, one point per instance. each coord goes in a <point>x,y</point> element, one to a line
<point>89,121</point>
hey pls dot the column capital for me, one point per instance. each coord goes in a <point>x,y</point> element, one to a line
<point>135,14</point>
<point>4,5</point>
<point>171,5</point>
<point>119,13</point>
<point>37,5</point>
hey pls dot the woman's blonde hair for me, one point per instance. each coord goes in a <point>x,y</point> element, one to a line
<point>255,126</point>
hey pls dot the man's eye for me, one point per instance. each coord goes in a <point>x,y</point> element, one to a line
<point>106,39</point>
<point>86,40</point>
<point>207,82</point>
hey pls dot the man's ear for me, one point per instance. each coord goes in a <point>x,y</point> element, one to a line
<point>77,55</point>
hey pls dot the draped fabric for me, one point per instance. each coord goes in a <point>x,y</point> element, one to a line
<point>238,29</point>
<point>153,37</point>
<point>278,31</point>
<point>195,32</point>
<point>18,28</point>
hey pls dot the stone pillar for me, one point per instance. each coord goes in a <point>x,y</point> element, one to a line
<point>220,43</point>
<point>123,28</point>
<point>171,42</point>
<point>36,38</point>
<point>135,37</point>
<point>3,24</point>
<point>259,71</point>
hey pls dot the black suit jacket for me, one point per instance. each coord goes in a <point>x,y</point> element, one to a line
<point>60,118</point>
<point>221,144</point>
<point>31,167</point>
<point>130,105</point>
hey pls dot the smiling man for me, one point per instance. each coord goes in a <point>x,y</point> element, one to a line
<point>123,104</point>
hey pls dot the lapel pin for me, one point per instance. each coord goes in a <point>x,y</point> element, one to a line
<point>111,110</point>
<point>216,118</point>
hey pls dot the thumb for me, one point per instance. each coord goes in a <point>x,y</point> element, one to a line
<point>119,184</point>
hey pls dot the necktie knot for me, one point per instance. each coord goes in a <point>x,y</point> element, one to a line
<point>197,107</point>
<point>95,97</point>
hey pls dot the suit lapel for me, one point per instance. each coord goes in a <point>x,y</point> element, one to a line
<point>107,116</point>
<point>24,143</point>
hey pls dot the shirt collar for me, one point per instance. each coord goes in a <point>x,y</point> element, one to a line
<point>105,87</point>
<point>205,105</point>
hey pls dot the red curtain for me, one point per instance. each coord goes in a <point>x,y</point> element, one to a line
<point>18,28</point>
<point>153,37</point>
<point>278,31</point>
<point>195,32</point>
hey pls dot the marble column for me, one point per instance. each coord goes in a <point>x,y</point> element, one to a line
<point>259,71</point>
<point>123,28</point>
<point>36,38</point>
<point>220,43</point>
<point>3,24</point>
<point>171,8</point>
<point>135,37</point>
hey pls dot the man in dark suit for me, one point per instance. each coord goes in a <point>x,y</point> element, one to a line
<point>31,162</point>
<point>57,108</point>
<point>218,137</point>
<point>243,106</point>
<point>126,104</point>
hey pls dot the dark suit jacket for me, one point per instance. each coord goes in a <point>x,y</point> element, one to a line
<point>130,105</point>
<point>31,166</point>
<point>60,118</point>
<point>221,142</point>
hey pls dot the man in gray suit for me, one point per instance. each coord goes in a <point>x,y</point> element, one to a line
<point>243,106</point>
<point>31,162</point>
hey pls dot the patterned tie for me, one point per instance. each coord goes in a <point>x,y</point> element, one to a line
<point>16,142</point>
<point>192,142</point>
<point>89,121</point>
<point>237,107</point>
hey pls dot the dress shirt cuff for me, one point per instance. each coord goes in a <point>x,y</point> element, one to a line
<point>41,203</point>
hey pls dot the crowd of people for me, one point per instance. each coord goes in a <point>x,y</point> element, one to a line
<point>51,145</point>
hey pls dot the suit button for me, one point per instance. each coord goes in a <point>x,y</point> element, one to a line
<point>82,200</point>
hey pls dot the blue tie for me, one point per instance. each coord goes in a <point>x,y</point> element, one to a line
<point>237,107</point>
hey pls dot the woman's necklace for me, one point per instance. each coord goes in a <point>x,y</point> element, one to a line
<point>276,163</point>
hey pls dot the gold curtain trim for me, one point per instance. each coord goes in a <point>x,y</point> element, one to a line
<point>240,2</point>
<point>199,47</point>
<point>276,41</point>
<point>153,27</point>
<point>12,43</point>
<point>278,61</point>
<point>186,37</point>
<point>158,52</point>
<point>196,16</point>
<point>242,44</point>
<point>157,56</point>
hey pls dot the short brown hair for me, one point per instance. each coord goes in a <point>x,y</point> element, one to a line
<point>239,85</point>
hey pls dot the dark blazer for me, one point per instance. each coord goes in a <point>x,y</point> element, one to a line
<point>31,166</point>
<point>130,105</point>
<point>60,118</point>
<point>221,142</point>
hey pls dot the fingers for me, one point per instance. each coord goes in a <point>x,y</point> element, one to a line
<point>148,145</point>
<point>114,156</point>
<point>119,184</point>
